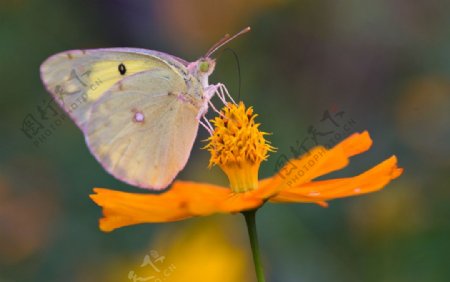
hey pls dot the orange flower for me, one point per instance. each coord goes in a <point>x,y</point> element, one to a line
<point>238,147</point>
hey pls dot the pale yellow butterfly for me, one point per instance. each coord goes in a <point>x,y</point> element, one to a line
<point>138,109</point>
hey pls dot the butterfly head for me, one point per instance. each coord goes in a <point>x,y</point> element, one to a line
<point>202,69</point>
<point>205,66</point>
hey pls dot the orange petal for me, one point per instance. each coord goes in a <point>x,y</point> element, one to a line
<point>266,188</point>
<point>320,161</point>
<point>206,199</point>
<point>338,157</point>
<point>122,208</point>
<point>183,200</point>
<point>238,202</point>
<point>356,144</point>
<point>320,191</point>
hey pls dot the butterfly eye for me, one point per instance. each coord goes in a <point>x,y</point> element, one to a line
<point>203,66</point>
<point>122,69</point>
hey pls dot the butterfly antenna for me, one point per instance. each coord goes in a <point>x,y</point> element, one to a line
<point>224,41</point>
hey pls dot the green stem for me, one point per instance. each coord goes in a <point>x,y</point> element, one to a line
<point>251,227</point>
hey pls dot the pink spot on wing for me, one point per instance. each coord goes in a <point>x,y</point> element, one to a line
<point>138,117</point>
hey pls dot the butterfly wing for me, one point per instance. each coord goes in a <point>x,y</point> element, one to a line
<point>143,128</point>
<point>78,78</point>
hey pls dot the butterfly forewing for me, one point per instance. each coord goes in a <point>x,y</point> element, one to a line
<point>78,78</point>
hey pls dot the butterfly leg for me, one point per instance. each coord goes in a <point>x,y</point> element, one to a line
<point>208,123</point>
<point>224,91</point>
<point>214,108</point>
<point>221,91</point>
<point>207,126</point>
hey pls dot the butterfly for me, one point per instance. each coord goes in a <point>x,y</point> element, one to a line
<point>138,109</point>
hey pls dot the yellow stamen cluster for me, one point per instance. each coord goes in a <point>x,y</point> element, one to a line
<point>238,147</point>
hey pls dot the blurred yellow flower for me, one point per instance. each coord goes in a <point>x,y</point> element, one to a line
<point>204,251</point>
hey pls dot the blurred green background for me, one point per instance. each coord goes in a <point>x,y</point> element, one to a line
<point>386,64</point>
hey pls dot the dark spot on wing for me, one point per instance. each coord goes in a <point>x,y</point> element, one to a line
<point>70,56</point>
<point>122,69</point>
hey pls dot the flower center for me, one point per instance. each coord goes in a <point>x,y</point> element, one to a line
<point>238,147</point>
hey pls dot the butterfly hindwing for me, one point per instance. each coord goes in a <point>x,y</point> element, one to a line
<point>143,128</point>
